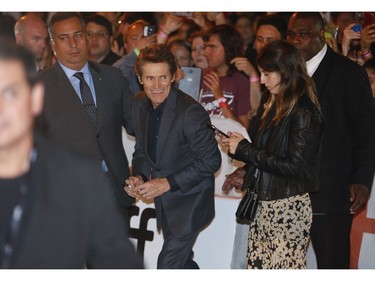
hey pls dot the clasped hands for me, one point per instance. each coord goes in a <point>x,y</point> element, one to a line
<point>137,188</point>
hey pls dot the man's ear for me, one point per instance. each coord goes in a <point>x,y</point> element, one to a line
<point>37,98</point>
<point>53,48</point>
<point>322,35</point>
<point>19,38</point>
<point>140,79</point>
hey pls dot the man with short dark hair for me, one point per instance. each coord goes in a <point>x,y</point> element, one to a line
<point>347,150</point>
<point>56,207</point>
<point>99,37</point>
<point>86,103</point>
<point>175,158</point>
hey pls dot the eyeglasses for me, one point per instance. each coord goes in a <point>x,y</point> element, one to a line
<point>98,34</point>
<point>290,35</point>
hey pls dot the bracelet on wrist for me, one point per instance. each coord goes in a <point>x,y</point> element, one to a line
<point>222,102</point>
<point>254,79</point>
<point>366,53</point>
<point>162,34</point>
<point>223,105</point>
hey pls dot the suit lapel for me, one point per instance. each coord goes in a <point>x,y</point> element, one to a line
<point>322,73</point>
<point>143,118</point>
<point>66,88</point>
<point>166,122</point>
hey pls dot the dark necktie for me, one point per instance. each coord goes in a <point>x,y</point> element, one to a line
<point>87,98</point>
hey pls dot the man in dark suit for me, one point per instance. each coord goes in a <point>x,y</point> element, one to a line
<point>347,152</point>
<point>175,158</point>
<point>56,207</point>
<point>86,104</point>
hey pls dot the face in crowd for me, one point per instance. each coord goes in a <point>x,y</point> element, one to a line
<point>156,68</point>
<point>20,103</point>
<point>69,43</point>
<point>197,52</point>
<point>182,55</point>
<point>306,34</point>
<point>99,40</point>
<point>156,80</point>
<point>214,52</point>
<point>265,34</point>
<point>271,80</point>
<point>32,33</point>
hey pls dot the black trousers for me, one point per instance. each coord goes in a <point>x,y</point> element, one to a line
<point>177,250</point>
<point>330,237</point>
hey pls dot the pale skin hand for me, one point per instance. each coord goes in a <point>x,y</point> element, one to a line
<point>145,42</point>
<point>211,81</point>
<point>367,38</point>
<point>232,141</point>
<point>153,188</point>
<point>348,36</point>
<point>200,19</point>
<point>244,65</point>
<point>359,195</point>
<point>170,24</point>
<point>131,187</point>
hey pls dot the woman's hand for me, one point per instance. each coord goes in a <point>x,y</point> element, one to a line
<point>368,37</point>
<point>348,36</point>
<point>244,65</point>
<point>232,141</point>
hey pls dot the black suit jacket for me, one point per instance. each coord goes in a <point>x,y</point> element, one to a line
<point>72,217</point>
<point>65,120</point>
<point>188,151</point>
<point>347,152</point>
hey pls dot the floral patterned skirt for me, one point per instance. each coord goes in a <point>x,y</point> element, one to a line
<point>279,235</point>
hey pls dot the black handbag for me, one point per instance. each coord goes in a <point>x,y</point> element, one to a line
<point>248,206</point>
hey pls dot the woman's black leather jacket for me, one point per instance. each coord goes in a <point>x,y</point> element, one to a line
<point>285,154</point>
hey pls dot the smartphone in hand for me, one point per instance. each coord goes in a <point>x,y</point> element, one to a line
<point>216,130</point>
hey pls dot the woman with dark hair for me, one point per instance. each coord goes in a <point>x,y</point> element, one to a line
<point>285,154</point>
<point>225,90</point>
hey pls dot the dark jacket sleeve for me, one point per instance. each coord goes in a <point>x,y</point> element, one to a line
<point>302,129</point>
<point>203,145</point>
<point>361,120</point>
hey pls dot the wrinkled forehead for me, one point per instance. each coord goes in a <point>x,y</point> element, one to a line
<point>301,23</point>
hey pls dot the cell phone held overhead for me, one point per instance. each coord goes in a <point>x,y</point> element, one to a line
<point>216,130</point>
<point>149,30</point>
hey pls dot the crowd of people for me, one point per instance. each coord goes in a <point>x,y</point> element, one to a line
<point>302,85</point>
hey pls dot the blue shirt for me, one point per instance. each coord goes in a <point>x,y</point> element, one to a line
<point>75,81</point>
